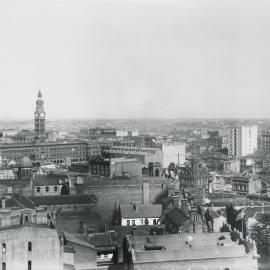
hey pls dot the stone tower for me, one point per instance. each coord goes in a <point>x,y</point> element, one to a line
<point>40,119</point>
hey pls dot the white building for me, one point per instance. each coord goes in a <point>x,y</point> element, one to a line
<point>243,140</point>
<point>140,214</point>
<point>173,153</point>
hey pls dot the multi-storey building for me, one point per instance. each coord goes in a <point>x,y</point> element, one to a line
<point>243,141</point>
<point>26,240</point>
<point>57,152</point>
<point>144,153</point>
<point>264,141</point>
<point>194,176</point>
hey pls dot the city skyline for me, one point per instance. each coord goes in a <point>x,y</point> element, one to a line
<point>96,60</point>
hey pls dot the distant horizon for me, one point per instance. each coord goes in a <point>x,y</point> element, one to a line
<point>131,119</point>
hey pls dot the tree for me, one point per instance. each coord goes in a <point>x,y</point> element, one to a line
<point>260,232</point>
<point>231,216</point>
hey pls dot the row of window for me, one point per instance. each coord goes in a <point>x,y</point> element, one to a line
<point>240,187</point>
<point>47,189</point>
<point>142,222</point>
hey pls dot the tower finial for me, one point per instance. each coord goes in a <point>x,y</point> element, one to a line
<point>39,94</point>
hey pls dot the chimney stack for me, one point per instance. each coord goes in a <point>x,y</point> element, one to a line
<point>175,200</point>
<point>3,202</point>
<point>145,187</point>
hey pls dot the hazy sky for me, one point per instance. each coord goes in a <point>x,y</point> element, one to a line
<point>135,58</point>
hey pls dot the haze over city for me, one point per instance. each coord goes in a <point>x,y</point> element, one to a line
<point>135,59</point>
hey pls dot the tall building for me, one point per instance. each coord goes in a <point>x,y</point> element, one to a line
<point>40,119</point>
<point>264,141</point>
<point>243,140</point>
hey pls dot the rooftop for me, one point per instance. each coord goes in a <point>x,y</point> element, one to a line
<point>50,179</point>
<point>203,246</point>
<point>141,211</point>
<point>63,199</point>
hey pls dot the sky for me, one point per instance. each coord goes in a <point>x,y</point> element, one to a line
<point>135,58</point>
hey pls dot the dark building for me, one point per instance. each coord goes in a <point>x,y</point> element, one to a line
<point>100,166</point>
<point>194,175</point>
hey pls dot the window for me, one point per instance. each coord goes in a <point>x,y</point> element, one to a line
<point>3,266</point>
<point>29,246</point>
<point>55,189</point>
<point>29,265</point>
<point>146,222</point>
<point>4,248</point>
<point>133,222</point>
<point>47,189</point>
<point>38,189</point>
<point>128,222</point>
<point>155,222</point>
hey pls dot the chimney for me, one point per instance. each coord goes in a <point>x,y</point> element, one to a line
<point>184,207</point>
<point>3,202</point>
<point>170,191</point>
<point>145,187</point>
<point>175,200</point>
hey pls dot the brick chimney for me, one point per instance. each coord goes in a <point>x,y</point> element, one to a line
<point>3,202</point>
<point>176,201</point>
<point>145,190</point>
<point>185,207</point>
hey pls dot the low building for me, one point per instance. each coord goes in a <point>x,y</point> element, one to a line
<point>50,184</point>
<point>90,251</point>
<point>115,167</point>
<point>247,185</point>
<point>140,214</point>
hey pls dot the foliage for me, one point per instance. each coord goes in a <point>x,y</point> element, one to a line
<point>260,232</point>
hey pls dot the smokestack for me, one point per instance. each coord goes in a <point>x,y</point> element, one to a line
<point>3,202</point>
<point>184,207</point>
<point>175,200</point>
<point>145,187</point>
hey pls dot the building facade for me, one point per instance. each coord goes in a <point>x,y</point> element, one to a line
<point>57,152</point>
<point>264,141</point>
<point>143,153</point>
<point>243,141</point>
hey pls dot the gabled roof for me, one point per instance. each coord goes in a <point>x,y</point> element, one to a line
<point>49,179</point>
<point>76,240</point>
<point>141,211</point>
<point>176,216</point>
<point>63,199</point>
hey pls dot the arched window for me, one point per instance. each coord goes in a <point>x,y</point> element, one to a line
<point>29,246</point>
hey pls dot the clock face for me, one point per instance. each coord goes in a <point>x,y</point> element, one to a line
<point>42,114</point>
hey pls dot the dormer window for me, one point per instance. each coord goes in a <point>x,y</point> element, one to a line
<point>55,189</point>
<point>47,189</point>
<point>38,189</point>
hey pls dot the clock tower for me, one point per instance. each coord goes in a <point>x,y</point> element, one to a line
<point>40,119</point>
